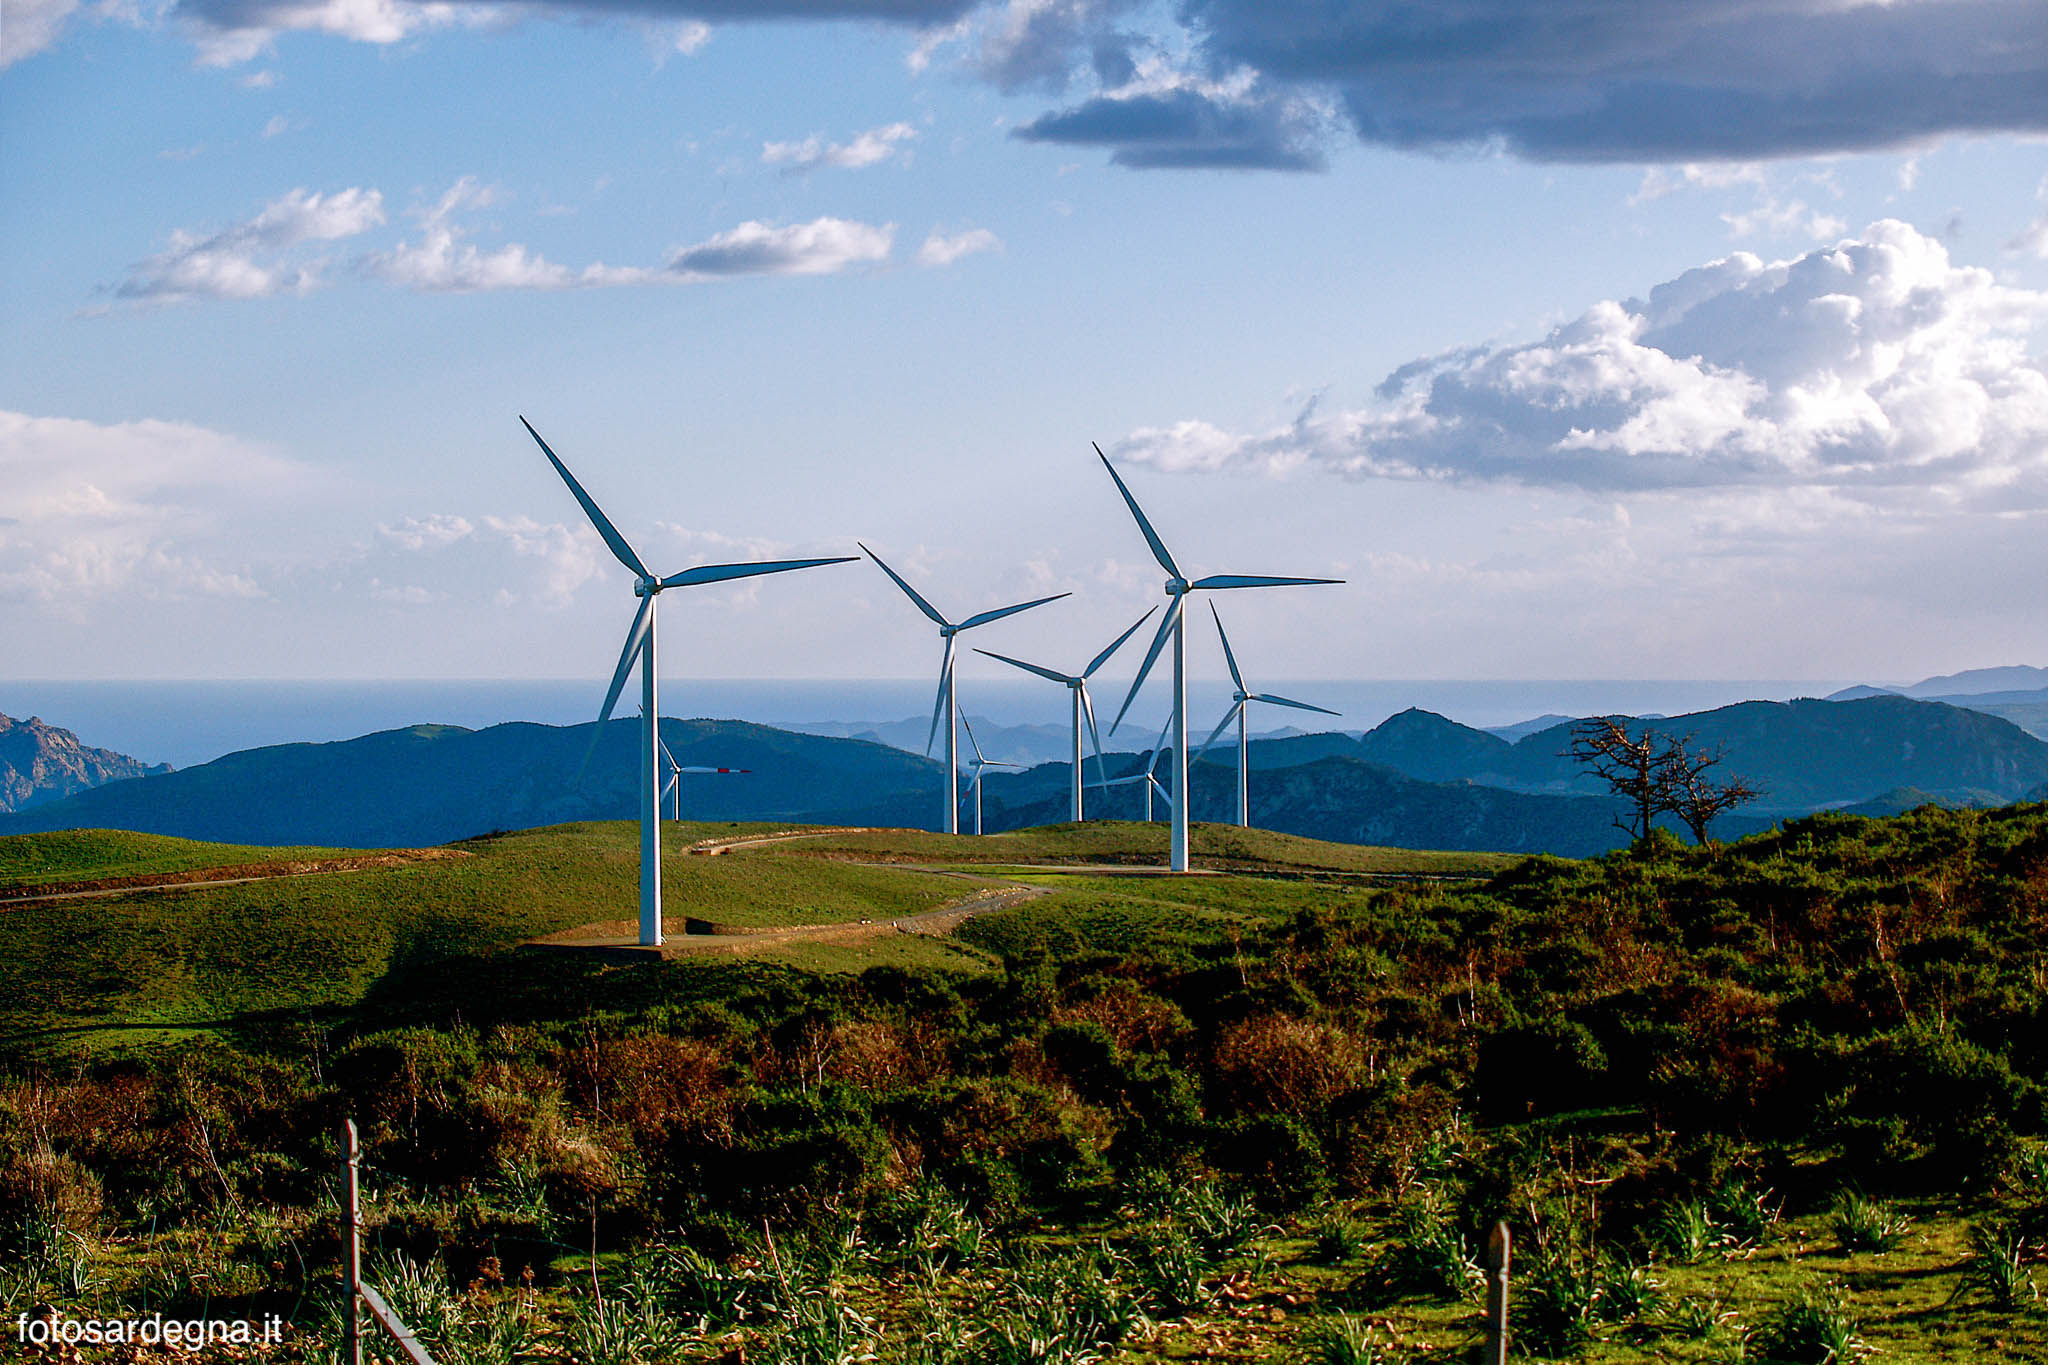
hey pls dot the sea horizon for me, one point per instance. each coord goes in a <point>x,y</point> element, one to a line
<point>189,722</point>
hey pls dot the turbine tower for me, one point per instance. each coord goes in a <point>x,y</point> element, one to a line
<point>640,649</point>
<point>1078,685</point>
<point>1238,702</point>
<point>1177,589</point>
<point>978,763</point>
<point>945,702</point>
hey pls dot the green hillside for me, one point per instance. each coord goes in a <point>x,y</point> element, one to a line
<point>85,855</point>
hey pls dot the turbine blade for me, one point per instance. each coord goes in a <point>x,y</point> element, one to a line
<point>922,605</point>
<point>1151,536</point>
<point>1228,657</point>
<point>714,770</point>
<point>1298,705</point>
<point>1028,668</point>
<point>1228,716</point>
<point>635,638</point>
<point>1088,710</point>
<point>1000,612</point>
<point>1166,624</point>
<point>611,535</point>
<point>719,573</point>
<point>972,741</point>
<point>665,753</point>
<point>939,702</point>
<point>1238,580</point>
<point>1117,643</point>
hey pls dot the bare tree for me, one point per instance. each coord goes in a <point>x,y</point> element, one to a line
<point>1695,797</point>
<point>1657,775</point>
<point>1630,765</point>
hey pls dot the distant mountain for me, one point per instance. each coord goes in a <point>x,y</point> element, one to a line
<point>433,783</point>
<point>1899,800</point>
<point>1804,755</point>
<point>1860,691</point>
<point>1352,801</point>
<point>2011,678</point>
<point>1523,728</point>
<point>41,763</point>
<point>1005,743</point>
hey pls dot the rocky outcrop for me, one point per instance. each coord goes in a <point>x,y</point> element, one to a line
<point>41,763</point>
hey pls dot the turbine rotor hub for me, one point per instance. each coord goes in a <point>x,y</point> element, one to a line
<point>1176,586</point>
<point>647,587</point>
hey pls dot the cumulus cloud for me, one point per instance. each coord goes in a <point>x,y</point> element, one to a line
<point>88,509</point>
<point>1875,369</point>
<point>870,148</point>
<point>939,249</point>
<point>30,26</point>
<point>1191,127</point>
<point>246,261</point>
<point>819,247</point>
<point>233,31</point>
<point>442,263</point>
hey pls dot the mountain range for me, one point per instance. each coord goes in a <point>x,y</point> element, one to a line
<point>40,762</point>
<point>1417,780</point>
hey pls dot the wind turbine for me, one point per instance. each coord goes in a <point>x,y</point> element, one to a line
<point>1078,685</point>
<point>946,701</point>
<point>978,763</point>
<point>640,649</point>
<point>1143,774</point>
<point>1238,702</point>
<point>675,775</point>
<point>1177,589</point>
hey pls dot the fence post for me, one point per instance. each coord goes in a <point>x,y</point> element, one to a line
<point>351,1247</point>
<point>1497,1296</point>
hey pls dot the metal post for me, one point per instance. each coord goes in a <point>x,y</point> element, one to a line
<point>1496,1352</point>
<point>351,1247</point>
<point>1177,854</point>
<point>650,796</point>
<point>952,762</point>
<point>1244,790</point>
<point>1076,690</point>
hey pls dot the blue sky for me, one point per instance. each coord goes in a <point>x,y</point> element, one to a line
<point>1588,340</point>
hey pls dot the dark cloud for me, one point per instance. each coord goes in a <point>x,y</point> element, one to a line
<point>1185,128</point>
<point>285,14</point>
<point>1630,80</point>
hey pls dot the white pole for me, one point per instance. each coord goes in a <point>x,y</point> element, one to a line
<point>1244,794</point>
<point>952,763</point>
<point>977,803</point>
<point>650,797</point>
<point>1077,754</point>
<point>1177,860</point>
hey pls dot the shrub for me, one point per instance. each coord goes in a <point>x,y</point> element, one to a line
<point>1685,1232</point>
<point>1814,1329</point>
<point>1558,1306</point>
<point>1344,1340</point>
<point>1862,1224</point>
<point>1335,1240</point>
<point>1997,1268</point>
<point>1428,1255</point>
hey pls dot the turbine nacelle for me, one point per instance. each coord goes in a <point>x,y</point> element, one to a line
<point>1176,586</point>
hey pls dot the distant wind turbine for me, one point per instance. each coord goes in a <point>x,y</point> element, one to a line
<point>640,649</point>
<point>1238,702</point>
<point>1177,589</point>
<point>1144,774</point>
<point>675,776</point>
<point>1078,685</point>
<point>946,701</point>
<point>979,764</point>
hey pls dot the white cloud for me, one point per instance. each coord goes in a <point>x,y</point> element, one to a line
<point>243,261</point>
<point>940,249</point>
<point>259,80</point>
<point>88,509</point>
<point>819,247</point>
<point>436,531</point>
<point>29,26</point>
<point>2034,237</point>
<point>870,148</point>
<point>441,263</point>
<point>1791,219</point>
<point>1875,370</point>
<point>278,126</point>
<point>1660,181</point>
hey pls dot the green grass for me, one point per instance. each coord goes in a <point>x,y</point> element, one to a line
<point>1224,847</point>
<point>425,940</point>
<point>77,855</point>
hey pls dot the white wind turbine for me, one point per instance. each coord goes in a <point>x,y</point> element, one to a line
<point>1177,589</point>
<point>1238,702</point>
<point>1078,685</point>
<point>640,649</point>
<point>979,764</point>
<point>946,701</point>
<point>1144,775</point>
<point>675,776</point>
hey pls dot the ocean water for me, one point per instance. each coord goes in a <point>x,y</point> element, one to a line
<point>187,723</point>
